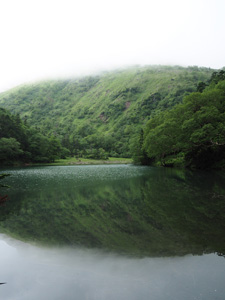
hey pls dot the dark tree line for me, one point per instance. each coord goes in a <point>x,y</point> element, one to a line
<point>21,143</point>
<point>192,133</point>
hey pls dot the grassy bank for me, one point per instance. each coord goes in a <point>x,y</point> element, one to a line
<point>84,161</point>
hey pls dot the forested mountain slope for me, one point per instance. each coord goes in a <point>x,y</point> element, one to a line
<point>192,133</point>
<point>20,143</point>
<point>102,113</point>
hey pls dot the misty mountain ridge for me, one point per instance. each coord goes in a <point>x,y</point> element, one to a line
<point>103,112</point>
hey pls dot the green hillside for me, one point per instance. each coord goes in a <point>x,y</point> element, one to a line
<point>99,115</point>
<point>20,143</point>
<point>192,133</point>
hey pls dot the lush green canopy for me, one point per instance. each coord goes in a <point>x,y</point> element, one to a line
<point>192,133</point>
<point>18,142</point>
<point>96,117</point>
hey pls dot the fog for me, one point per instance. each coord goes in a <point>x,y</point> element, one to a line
<point>34,273</point>
<point>51,39</point>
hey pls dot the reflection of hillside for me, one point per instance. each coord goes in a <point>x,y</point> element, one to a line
<point>164,213</point>
<point>9,208</point>
<point>193,206</point>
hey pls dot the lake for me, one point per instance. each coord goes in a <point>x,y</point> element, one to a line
<point>112,232</point>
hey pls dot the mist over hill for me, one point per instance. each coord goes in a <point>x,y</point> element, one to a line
<point>101,114</point>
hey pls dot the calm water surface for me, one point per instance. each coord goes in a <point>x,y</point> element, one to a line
<point>112,232</point>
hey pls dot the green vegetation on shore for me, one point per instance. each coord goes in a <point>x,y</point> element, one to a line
<point>192,134</point>
<point>85,161</point>
<point>169,116</point>
<point>19,143</point>
<point>101,116</point>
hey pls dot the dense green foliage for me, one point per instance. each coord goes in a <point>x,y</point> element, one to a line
<point>193,132</point>
<point>20,143</point>
<point>101,116</point>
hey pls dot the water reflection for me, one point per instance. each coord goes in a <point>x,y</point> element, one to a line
<point>63,273</point>
<point>131,210</point>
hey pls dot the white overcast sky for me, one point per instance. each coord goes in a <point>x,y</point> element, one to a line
<point>54,38</point>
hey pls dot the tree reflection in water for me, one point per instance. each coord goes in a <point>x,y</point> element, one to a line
<point>158,212</point>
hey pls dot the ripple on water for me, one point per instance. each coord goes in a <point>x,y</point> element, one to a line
<point>79,175</point>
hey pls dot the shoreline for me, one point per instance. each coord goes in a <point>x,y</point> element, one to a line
<point>72,161</point>
<point>86,161</point>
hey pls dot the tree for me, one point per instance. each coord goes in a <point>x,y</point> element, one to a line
<point>19,142</point>
<point>139,155</point>
<point>194,130</point>
<point>10,149</point>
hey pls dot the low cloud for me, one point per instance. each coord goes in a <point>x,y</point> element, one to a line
<point>34,273</point>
